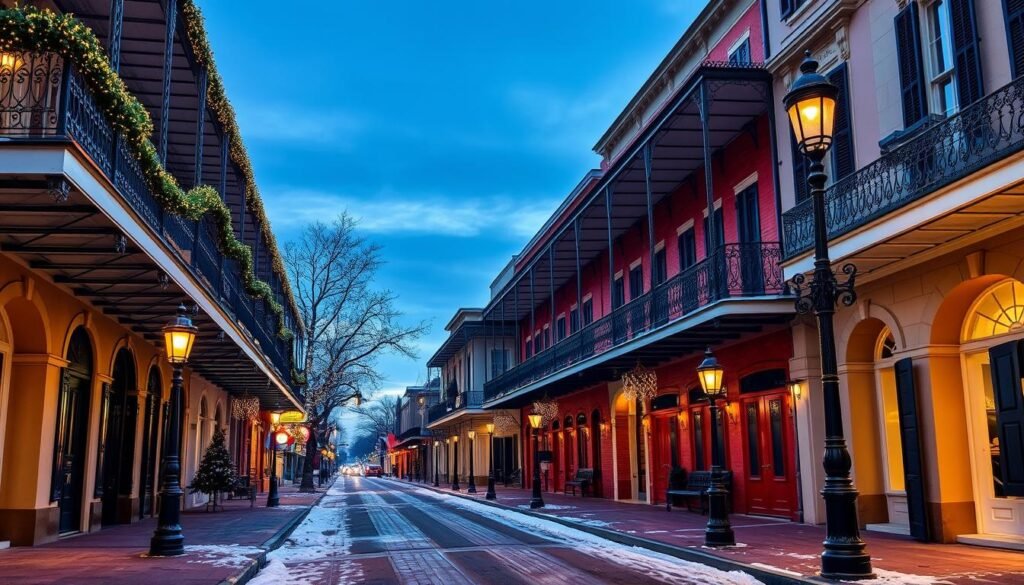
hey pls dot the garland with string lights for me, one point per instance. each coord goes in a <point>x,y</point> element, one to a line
<point>27,28</point>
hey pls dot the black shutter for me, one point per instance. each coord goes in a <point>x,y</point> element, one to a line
<point>800,171</point>
<point>842,128</point>
<point>1014,10</point>
<point>966,55</point>
<point>1006,386</point>
<point>908,52</point>
<point>910,439</point>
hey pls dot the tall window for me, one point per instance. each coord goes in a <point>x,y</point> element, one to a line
<point>560,328</point>
<point>574,320</point>
<point>940,52</point>
<point>636,282</point>
<point>529,348</point>
<point>741,54</point>
<point>687,249</point>
<point>618,293</point>
<point>588,312</point>
<point>660,273</point>
<point>499,361</point>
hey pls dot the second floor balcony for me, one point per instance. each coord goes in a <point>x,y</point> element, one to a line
<point>953,181</point>
<point>61,219</point>
<point>733,272</point>
<point>454,404</point>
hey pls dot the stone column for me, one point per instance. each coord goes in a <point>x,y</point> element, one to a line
<point>810,424</point>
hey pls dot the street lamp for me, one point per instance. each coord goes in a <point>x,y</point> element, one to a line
<point>536,500</point>
<point>490,468</point>
<point>168,540</point>
<point>472,452</point>
<point>718,532</point>
<point>280,438</point>
<point>455,463</point>
<point>811,104</point>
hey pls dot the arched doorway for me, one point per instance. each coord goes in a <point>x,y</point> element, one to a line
<point>596,426</point>
<point>68,475</point>
<point>630,456</point>
<point>116,459</point>
<point>992,350</point>
<point>150,430</point>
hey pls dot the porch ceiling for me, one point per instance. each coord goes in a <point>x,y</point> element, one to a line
<point>962,215</point>
<point>75,245</point>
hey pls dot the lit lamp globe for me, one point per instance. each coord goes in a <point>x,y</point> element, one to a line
<point>490,428</point>
<point>281,437</point>
<point>811,106</point>
<point>471,435</point>
<point>179,335</point>
<point>535,420</point>
<point>275,418</point>
<point>711,374</point>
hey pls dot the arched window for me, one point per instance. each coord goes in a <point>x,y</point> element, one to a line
<point>886,345</point>
<point>998,310</point>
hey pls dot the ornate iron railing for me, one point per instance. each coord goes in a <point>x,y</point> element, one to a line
<point>460,401</point>
<point>982,133</point>
<point>733,270</point>
<point>42,99</point>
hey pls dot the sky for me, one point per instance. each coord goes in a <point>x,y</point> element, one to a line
<point>451,128</point>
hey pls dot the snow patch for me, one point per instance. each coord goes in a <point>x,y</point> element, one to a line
<point>548,507</point>
<point>894,578</point>
<point>223,555</point>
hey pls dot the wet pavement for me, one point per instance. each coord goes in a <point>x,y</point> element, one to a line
<point>368,530</point>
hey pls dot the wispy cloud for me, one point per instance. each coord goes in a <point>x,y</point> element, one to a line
<point>388,212</point>
<point>293,123</point>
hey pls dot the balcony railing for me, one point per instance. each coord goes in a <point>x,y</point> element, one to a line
<point>460,401</point>
<point>733,270</point>
<point>42,99</point>
<point>982,133</point>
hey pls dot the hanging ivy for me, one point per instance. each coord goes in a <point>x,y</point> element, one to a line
<point>27,28</point>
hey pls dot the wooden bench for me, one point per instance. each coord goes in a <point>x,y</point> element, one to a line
<point>697,484</point>
<point>584,477</point>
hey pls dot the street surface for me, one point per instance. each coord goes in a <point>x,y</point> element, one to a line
<point>380,531</point>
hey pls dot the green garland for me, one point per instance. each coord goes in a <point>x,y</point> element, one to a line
<point>33,29</point>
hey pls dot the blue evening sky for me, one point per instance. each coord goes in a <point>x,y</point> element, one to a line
<point>451,128</point>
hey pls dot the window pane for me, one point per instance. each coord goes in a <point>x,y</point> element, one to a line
<point>753,446</point>
<point>775,416</point>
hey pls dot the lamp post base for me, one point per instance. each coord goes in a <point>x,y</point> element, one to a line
<point>491,495</point>
<point>472,486</point>
<point>167,541</point>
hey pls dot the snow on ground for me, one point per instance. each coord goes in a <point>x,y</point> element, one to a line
<point>318,543</point>
<point>893,578</point>
<point>548,507</point>
<point>653,564</point>
<point>222,555</point>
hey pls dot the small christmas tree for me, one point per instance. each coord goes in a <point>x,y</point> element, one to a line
<point>215,472</point>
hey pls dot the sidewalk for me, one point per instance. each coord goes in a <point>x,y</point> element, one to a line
<point>224,546</point>
<point>786,547</point>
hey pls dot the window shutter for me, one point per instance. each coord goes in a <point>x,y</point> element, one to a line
<point>1005,362</point>
<point>913,455</point>
<point>966,56</point>
<point>908,52</point>
<point>842,129</point>
<point>800,171</point>
<point>1015,35</point>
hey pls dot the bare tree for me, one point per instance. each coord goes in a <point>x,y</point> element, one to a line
<point>377,417</point>
<point>349,322</point>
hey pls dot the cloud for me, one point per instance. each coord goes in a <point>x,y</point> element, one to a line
<point>292,123</point>
<point>388,212</point>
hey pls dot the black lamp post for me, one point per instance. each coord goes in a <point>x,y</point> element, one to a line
<point>718,531</point>
<point>811,103</point>
<point>436,482</point>
<point>472,452</point>
<point>455,463</point>
<point>168,540</point>
<point>536,500</point>
<point>490,468</point>
<point>280,438</point>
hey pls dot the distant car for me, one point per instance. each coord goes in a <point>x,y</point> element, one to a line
<point>373,471</point>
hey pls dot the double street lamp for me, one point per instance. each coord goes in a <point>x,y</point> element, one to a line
<point>168,540</point>
<point>718,532</point>
<point>811,105</point>
<point>536,500</point>
<point>490,468</point>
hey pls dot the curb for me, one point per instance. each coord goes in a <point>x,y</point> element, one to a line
<point>763,574</point>
<point>252,568</point>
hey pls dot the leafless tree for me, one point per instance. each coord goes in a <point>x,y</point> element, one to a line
<point>349,322</point>
<point>377,417</point>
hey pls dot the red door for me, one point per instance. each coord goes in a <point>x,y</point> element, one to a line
<point>768,448</point>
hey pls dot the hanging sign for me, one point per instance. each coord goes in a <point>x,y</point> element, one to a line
<point>293,416</point>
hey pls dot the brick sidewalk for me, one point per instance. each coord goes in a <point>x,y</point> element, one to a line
<point>219,546</point>
<point>771,543</point>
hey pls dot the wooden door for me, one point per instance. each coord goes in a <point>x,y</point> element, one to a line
<point>69,468</point>
<point>768,450</point>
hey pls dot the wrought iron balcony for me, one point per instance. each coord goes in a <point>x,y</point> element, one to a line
<point>733,270</point>
<point>460,401</point>
<point>979,135</point>
<point>43,100</point>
